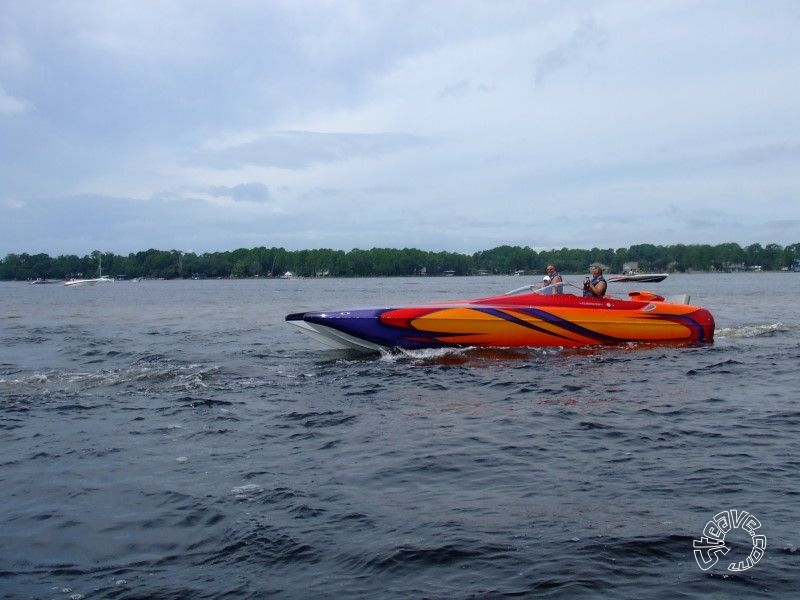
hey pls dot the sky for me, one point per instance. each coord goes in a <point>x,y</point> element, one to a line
<point>463,125</point>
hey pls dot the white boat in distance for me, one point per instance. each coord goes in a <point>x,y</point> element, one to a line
<point>99,279</point>
<point>639,277</point>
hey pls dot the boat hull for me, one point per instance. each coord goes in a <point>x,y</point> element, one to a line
<point>503,321</point>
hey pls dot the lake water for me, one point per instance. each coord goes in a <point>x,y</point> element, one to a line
<point>178,439</point>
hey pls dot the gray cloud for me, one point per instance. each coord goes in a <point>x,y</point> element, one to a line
<point>9,105</point>
<point>244,192</point>
<point>587,38</point>
<point>456,90</point>
<point>299,149</point>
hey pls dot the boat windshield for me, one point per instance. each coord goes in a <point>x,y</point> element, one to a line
<point>536,288</point>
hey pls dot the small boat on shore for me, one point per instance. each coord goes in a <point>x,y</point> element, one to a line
<point>531,318</point>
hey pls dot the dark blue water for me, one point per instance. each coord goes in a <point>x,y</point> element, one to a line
<point>179,440</point>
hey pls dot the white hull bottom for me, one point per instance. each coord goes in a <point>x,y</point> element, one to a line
<point>336,339</point>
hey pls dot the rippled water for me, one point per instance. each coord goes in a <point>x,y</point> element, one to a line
<point>179,440</point>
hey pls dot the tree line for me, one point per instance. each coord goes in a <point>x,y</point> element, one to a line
<point>389,262</point>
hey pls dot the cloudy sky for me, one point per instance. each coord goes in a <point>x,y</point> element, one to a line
<point>442,125</point>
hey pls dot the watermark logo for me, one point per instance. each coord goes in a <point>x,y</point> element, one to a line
<point>708,548</point>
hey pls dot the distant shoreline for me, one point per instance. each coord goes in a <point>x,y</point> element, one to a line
<point>407,262</point>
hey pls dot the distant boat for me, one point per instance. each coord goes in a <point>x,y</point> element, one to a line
<point>639,277</point>
<point>99,279</point>
<point>92,281</point>
<point>40,281</point>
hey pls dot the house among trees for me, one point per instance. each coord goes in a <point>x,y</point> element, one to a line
<point>734,267</point>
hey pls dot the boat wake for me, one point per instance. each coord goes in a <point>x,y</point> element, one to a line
<point>476,355</point>
<point>178,376</point>
<point>424,354</point>
<point>753,331</point>
<point>466,354</point>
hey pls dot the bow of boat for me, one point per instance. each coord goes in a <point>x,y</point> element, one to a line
<point>323,328</point>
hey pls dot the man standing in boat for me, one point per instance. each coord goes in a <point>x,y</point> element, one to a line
<point>595,287</point>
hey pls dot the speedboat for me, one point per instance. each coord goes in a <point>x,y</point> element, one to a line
<point>522,317</point>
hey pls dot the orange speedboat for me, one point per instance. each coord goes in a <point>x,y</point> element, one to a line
<point>532,318</point>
